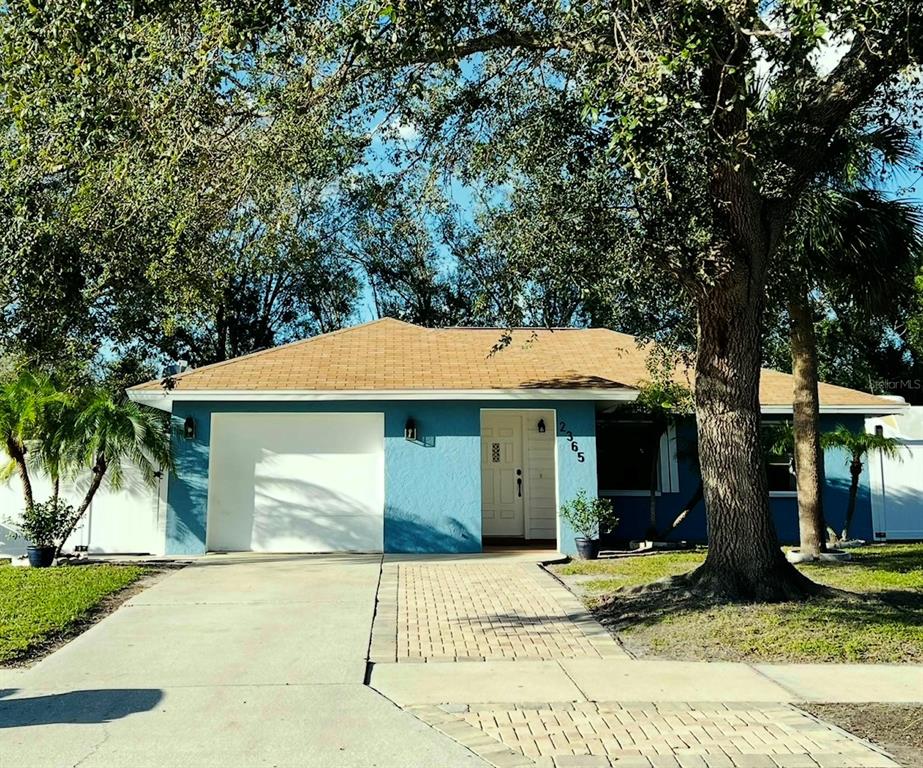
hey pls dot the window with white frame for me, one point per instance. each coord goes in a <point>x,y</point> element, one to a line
<point>626,451</point>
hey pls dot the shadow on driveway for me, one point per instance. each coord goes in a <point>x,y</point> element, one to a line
<point>93,706</point>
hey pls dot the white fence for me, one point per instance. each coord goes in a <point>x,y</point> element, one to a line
<point>131,520</point>
<point>897,483</point>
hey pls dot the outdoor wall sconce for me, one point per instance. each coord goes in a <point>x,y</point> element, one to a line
<point>541,425</point>
<point>189,428</point>
<point>410,430</point>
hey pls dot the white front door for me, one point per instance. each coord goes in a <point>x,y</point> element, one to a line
<point>502,481</point>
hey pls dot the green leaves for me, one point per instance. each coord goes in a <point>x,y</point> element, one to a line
<point>65,433</point>
<point>103,435</point>
<point>663,398</point>
<point>157,163</point>
<point>588,515</point>
<point>46,522</point>
<point>858,444</point>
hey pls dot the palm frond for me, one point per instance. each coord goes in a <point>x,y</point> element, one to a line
<point>866,247</point>
<point>859,444</point>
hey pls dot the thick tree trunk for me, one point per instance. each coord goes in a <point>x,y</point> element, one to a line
<point>855,471</point>
<point>744,560</point>
<point>99,472</point>
<point>18,454</point>
<point>809,457</point>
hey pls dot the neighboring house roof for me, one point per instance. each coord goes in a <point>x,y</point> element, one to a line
<point>390,358</point>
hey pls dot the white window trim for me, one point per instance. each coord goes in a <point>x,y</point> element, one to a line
<point>669,469</point>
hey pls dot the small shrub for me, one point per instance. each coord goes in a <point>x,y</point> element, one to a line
<point>586,515</point>
<point>45,523</point>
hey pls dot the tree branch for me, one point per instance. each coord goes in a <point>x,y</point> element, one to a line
<point>871,61</point>
<point>501,39</point>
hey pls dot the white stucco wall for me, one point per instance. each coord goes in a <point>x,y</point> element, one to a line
<point>897,483</point>
<point>130,520</point>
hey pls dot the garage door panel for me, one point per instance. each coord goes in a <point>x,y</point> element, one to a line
<point>316,533</point>
<point>297,482</point>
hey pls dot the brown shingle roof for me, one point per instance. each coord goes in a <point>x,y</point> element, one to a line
<point>392,355</point>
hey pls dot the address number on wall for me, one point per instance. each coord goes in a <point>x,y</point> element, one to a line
<point>574,445</point>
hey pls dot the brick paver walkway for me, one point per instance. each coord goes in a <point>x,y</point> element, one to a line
<point>673,735</point>
<point>482,611</point>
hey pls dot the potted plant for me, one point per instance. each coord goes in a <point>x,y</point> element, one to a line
<point>43,524</point>
<point>586,516</point>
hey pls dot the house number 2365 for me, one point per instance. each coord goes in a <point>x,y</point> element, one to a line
<point>574,445</point>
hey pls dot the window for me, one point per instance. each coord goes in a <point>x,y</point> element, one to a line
<point>625,452</point>
<point>780,462</point>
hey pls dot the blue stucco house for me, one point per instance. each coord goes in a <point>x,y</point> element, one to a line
<point>391,437</point>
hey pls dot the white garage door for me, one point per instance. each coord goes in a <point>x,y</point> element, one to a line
<point>296,482</point>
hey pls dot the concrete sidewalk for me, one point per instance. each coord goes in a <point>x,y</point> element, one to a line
<point>232,661</point>
<point>618,680</point>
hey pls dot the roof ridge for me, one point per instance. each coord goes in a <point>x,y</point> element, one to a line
<point>551,328</point>
<point>267,350</point>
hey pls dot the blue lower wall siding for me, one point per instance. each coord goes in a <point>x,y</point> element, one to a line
<point>187,491</point>
<point>432,485</point>
<point>633,510</point>
<point>579,419</point>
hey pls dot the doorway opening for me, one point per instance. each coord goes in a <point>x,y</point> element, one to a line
<point>518,477</point>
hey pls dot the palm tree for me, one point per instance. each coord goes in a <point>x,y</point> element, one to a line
<point>860,249</point>
<point>31,413</point>
<point>857,445</point>
<point>102,435</point>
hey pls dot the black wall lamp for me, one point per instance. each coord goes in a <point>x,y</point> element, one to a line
<point>541,425</point>
<point>410,430</point>
<point>189,428</point>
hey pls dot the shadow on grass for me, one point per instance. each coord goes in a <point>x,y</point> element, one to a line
<point>891,558</point>
<point>902,599</point>
<point>654,603</point>
<point>649,605</point>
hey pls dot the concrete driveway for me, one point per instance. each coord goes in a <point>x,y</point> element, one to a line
<point>232,661</point>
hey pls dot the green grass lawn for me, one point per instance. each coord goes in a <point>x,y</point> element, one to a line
<point>38,605</point>
<point>610,575</point>
<point>880,619</point>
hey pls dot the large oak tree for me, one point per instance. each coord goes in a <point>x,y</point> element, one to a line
<point>724,112</point>
<point>716,115</point>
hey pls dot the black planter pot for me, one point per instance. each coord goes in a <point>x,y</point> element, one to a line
<point>40,557</point>
<point>587,549</point>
